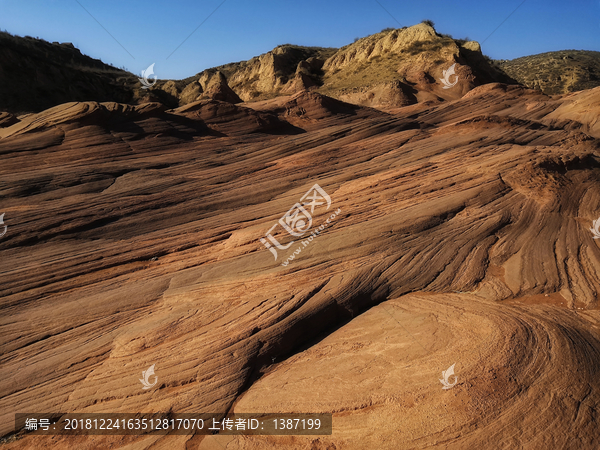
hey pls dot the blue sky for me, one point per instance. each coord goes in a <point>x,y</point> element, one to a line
<point>149,31</point>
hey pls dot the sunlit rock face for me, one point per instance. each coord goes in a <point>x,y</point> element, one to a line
<point>461,236</point>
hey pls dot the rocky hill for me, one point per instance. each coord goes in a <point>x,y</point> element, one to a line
<point>393,68</point>
<point>556,72</point>
<point>285,69</point>
<point>403,66</point>
<point>36,75</point>
<point>396,67</point>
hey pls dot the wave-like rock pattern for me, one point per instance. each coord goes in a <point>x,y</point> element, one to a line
<point>462,237</point>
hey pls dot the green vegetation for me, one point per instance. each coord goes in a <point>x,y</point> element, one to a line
<point>423,46</point>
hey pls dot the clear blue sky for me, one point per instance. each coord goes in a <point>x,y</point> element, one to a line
<point>149,31</point>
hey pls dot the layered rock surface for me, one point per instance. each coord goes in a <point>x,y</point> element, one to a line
<point>462,238</point>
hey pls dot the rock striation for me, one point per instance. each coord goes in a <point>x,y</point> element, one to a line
<point>463,237</point>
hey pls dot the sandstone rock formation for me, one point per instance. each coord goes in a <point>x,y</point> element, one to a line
<point>396,67</point>
<point>391,68</point>
<point>403,66</point>
<point>463,238</point>
<point>218,89</point>
<point>271,73</point>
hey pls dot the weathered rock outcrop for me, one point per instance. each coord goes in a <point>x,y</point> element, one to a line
<point>218,89</point>
<point>390,94</point>
<point>463,237</point>
<point>390,69</point>
<point>403,66</point>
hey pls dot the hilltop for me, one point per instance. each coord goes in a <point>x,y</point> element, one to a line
<point>393,68</point>
<point>558,72</point>
<point>36,75</point>
<point>261,77</point>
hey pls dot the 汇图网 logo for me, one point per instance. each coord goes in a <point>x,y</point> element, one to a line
<point>595,230</point>
<point>3,231</point>
<point>447,374</point>
<point>447,74</point>
<point>145,75</point>
<point>146,380</point>
<point>298,220</point>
